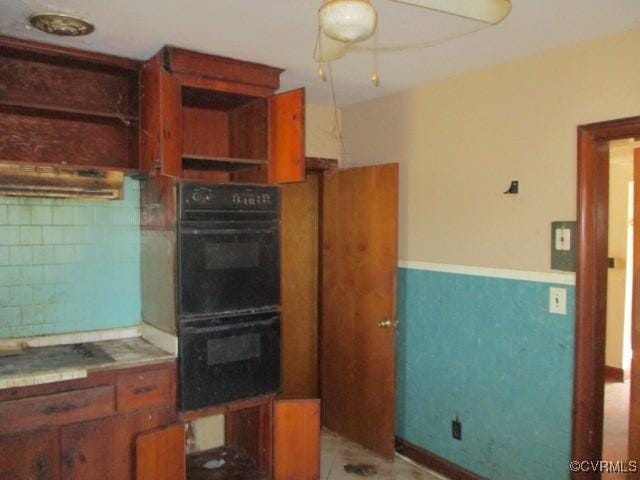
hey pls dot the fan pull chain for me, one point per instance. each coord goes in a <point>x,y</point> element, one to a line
<point>375,79</point>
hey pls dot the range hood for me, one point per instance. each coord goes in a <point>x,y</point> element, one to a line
<point>59,182</point>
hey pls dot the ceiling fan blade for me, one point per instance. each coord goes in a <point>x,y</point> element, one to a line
<point>329,49</point>
<point>488,11</point>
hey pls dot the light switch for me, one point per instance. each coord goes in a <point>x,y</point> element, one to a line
<point>563,239</point>
<point>558,300</point>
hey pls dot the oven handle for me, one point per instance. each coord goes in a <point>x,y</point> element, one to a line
<point>191,330</point>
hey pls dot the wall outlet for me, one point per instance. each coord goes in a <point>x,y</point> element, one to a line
<point>558,300</point>
<point>456,429</point>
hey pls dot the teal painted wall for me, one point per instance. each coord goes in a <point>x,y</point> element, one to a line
<point>488,351</point>
<point>69,265</point>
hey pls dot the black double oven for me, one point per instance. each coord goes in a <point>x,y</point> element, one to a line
<point>228,292</point>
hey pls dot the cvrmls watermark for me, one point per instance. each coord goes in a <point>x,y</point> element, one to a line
<point>604,466</point>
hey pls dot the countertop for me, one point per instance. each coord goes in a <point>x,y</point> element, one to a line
<point>40,365</point>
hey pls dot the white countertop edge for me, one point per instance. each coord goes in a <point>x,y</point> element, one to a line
<point>42,377</point>
<point>71,338</point>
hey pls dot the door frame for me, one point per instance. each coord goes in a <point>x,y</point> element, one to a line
<point>591,285</point>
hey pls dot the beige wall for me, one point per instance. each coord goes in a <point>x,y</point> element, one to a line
<point>322,138</point>
<point>462,140</point>
<point>620,174</point>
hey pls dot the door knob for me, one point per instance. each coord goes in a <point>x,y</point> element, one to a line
<point>384,324</point>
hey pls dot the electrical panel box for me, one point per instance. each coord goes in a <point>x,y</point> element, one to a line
<point>563,246</point>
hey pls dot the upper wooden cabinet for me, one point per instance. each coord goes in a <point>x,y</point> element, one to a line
<point>61,106</point>
<point>217,119</point>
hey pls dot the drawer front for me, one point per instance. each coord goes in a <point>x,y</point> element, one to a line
<point>57,409</point>
<point>145,390</point>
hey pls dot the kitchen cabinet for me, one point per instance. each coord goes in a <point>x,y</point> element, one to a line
<point>217,119</point>
<point>65,107</point>
<point>30,455</point>
<point>297,440</point>
<point>86,428</point>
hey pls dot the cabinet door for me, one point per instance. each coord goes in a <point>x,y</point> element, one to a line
<point>104,449</point>
<point>29,456</point>
<point>297,440</point>
<point>161,118</point>
<point>160,454</point>
<point>286,137</point>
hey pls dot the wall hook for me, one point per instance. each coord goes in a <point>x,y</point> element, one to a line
<point>513,188</point>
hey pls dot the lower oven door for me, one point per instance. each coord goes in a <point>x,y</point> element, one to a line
<point>229,359</point>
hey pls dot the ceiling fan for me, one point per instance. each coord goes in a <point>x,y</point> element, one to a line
<point>344,23</point>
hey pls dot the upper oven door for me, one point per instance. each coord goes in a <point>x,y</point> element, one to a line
<point>227,268</point>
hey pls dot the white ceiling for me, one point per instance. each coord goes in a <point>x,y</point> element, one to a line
<point>282,33</point>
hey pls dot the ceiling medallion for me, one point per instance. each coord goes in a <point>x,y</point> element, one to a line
<point>60,24</point>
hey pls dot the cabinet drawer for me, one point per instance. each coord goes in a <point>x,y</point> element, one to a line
<point>144,390</point>
<point>57,409</point>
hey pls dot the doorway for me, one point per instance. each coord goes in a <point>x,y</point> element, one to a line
<point>591,291</point>
<point>339,265</point>
<point>619,297</point>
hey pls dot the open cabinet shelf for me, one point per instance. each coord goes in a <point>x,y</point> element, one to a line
<point>62,106</point>
<point>226,164</point>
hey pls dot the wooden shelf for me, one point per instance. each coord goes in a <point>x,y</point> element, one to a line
<point>188,415</point>
<point>68,112</point>
<point>227,164</point>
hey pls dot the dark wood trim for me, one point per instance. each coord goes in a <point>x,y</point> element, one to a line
<point>77,54</point>
<point>316,164</point>
<point>613,374</point>
<point>434,462</point>
<point>591,285</point>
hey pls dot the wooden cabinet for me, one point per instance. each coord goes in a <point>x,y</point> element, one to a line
<point>297,440</point>
<point>217,119</point>
<point>84,429</point>
<point>61,106</point>
<point>31,455</point>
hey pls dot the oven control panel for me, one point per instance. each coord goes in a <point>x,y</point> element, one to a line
<point>229,197</point>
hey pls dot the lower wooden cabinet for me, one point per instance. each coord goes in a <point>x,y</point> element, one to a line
<point>57,435</point>
<point>29,455</point>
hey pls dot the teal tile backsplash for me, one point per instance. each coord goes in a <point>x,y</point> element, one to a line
<point>69,265</point>
<point>485,350</point>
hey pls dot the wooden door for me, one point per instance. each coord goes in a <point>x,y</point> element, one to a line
<point>160,454</point>
<point>286,137</point>
<point>299,288</point>
<point>161,120</point>
<point>359,218</point>
<point>29,456</point>
<point>634,414</point>
<point>297,440</point>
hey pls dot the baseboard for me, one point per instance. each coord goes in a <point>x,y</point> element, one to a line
<point>434,462</point>
<point>613,374</point>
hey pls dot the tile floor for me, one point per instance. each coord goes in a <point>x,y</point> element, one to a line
<point>616,424</point>
<point>337,452</point>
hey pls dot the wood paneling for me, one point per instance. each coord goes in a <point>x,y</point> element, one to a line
<point>161,120</point>
<point>591,285</point>
<point>60,140</point>
<point>248,130</point>
<point>286,137</point>
<point>56,409</point>
<point>221,68</point>
<point>299,288</point>
<point>297,440</point>
<point>29,456</point>
<point>359,218</point>
<point>205,132</point>
<point>249,431</point>
<point>160,454</point>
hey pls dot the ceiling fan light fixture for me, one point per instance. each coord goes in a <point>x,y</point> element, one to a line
<point>348,21</point>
